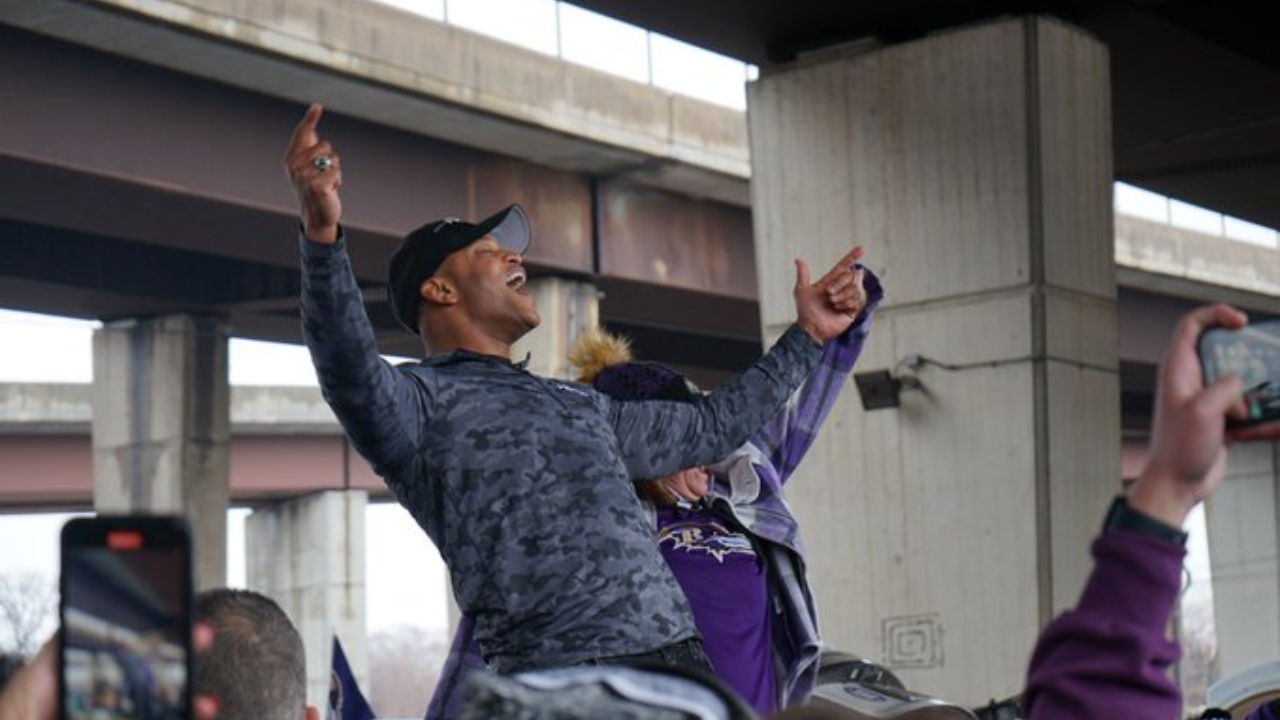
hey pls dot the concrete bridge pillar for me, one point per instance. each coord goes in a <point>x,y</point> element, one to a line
<point>1244,546</point>
<point>308,554</point>
<point>161,427</point>
<point>975,166</point>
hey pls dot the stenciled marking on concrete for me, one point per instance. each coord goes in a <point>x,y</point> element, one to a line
<point>912,641</point>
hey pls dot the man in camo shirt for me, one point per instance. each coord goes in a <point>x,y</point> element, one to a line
<point>524,482</point>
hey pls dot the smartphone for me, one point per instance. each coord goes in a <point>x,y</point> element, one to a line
<point>124,652</point>
<point>1253,354</point>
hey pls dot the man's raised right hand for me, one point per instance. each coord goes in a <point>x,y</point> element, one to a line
<point>315,181</point>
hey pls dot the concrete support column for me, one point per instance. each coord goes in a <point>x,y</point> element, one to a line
<point>1244,546</point>
<point>567,308</point>
<point>308,555</point>
<point>161,428</point>
<point>975,166</point>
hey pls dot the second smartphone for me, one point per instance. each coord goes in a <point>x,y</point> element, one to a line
<point>125,611</point>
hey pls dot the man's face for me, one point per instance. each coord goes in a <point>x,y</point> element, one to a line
<point>490,282</point>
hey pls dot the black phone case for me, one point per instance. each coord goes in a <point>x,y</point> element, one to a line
<point>155,532</point>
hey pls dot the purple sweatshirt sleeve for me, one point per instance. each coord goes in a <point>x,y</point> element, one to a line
<point>789,434</point>
<point>464,659</point>
<point>1110,656</point>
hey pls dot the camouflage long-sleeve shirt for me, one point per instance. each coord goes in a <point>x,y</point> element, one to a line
<point>523,482</point>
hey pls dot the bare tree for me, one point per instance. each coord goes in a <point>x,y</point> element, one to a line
<point>404,664</point>
<point>28,611</point>
<point>1198,668</point>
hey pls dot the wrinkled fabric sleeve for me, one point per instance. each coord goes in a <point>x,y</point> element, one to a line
<point>382,410</point>
<point>1110,656</point>
<point>657,438</point>
<point>789,434</point>
<point>464,658</point>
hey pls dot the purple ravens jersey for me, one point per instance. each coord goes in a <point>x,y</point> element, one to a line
<point>725,583</point>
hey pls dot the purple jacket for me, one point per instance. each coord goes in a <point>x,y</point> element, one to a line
<point>748,487</point>
<point>1110,656</point>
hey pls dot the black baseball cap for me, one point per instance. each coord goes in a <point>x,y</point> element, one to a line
<point>424,250</point>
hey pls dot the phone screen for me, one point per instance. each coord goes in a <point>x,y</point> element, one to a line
<point>126,619</point>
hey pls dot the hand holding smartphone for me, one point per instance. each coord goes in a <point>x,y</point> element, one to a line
<point>125,648</point>
<point>1253,354</point>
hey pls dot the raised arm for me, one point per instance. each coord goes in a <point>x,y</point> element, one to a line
<point>381,409</point>
<point>1110,656</point>
<point>1189,435</point>
<point>659,438</point>
<point>789,434</point>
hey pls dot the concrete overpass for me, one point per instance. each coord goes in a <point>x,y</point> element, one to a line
<point>140,143</point>
<point>1195,101</point>
<point>286,442</point>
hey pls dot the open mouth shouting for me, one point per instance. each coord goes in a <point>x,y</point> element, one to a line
<point>516,280</point>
